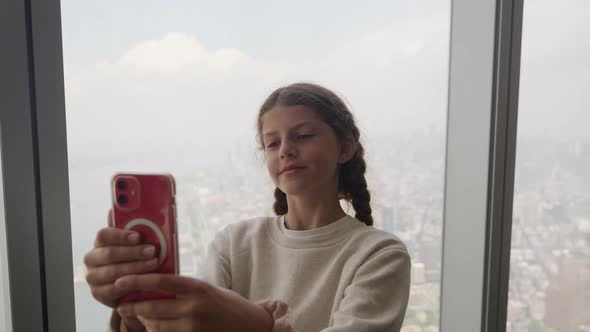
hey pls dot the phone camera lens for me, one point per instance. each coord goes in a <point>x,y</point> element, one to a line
<point>122,199</point>
<point>121,184</point>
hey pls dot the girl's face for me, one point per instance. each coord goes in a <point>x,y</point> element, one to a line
<point>294,136</point>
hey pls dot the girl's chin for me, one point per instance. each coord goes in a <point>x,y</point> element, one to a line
<point>295,189</point>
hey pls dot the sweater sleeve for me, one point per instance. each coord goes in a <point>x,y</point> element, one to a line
<point>218,272</point>
<point>377,298</point>
<point>115,322</point>
<point>218,267</point>
<point>375,301</point>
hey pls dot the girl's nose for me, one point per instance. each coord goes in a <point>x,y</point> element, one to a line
<point>287,151</point>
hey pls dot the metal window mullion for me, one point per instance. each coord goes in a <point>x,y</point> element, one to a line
<point>25,267</point>
<point>35,171</point>
<point>53,163</point>
<point>471,82</point>
<point>503,151</point>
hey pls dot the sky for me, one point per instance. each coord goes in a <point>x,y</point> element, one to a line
<point>141,75</point>
<point>178,75</point>
<point>554,96</point>
<point>262,29</point>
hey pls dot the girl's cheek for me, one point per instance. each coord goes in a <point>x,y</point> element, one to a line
<point>272,157</point>
<point>271,163</point>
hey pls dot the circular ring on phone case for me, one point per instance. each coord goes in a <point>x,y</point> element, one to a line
<point>151,225</point>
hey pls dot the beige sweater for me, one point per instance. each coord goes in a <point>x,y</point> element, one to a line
<point>345,276</point>
<point>342,277</point>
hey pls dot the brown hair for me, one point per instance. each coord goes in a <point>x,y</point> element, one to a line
<point>332,110</point>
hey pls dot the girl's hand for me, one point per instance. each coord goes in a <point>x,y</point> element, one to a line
<point>199,306</point>
<point>116,253</point>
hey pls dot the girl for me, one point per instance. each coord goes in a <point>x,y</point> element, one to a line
<point>311,268</point>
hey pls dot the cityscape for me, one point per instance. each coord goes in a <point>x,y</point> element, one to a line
<point>150,88</point>
<point>550,258</point>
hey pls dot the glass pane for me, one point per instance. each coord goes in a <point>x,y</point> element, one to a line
<point>152,87</point>
<point>5,315</point>
<point>550,256</point>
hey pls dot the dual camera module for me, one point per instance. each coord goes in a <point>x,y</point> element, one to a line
<point>126,192</point>
<point>122,198</point>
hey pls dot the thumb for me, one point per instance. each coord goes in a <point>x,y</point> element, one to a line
<point>143,321</point>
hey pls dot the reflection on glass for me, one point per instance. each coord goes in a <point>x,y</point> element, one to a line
<point>550,255</point>
<point>181,93</point>
<point>5,315</point>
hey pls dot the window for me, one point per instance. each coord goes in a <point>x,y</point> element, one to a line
<point>150,88</point>
<point>550,254</point>
<point>5,316</point>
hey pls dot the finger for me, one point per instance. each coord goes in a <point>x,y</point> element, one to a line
<point>110,236</point>
<point>143,321</point>
<point>117,254</point>
<point>107,294</point>
<point>108,274</point>
<point>171,325</point>
<point>110,222</point>
<point>169,283</point>
<point>161,309</point>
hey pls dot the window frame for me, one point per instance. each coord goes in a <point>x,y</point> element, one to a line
<point>484,67</point>
<point>35,169</point>
<point>484,73</point>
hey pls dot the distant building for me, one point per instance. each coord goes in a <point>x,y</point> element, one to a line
<point>431,253</point>
<point>581,149</point>
<point>418,273</point>
<point>555,214</point>
<point>411,328</point>
<point>567,296</point>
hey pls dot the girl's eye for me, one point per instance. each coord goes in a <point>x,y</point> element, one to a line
<point>305,136</point>
<point>299,137</point>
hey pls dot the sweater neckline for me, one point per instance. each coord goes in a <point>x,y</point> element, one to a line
<point>313,238</point>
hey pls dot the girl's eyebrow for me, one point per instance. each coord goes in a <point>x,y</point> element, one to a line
<point>297,126</point>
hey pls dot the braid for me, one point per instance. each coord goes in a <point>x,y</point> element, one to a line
<point>353,187</point>
<point>280,205</point>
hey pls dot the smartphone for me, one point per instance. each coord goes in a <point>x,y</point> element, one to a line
<point>145,203</point>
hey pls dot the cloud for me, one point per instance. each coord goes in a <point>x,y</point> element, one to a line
<point>177,91</point>
<point>181,56</point>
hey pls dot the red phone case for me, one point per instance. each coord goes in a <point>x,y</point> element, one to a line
<point>145,203</point>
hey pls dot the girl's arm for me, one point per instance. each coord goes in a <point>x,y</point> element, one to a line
<point>377,298</point>
<point>375,301</point>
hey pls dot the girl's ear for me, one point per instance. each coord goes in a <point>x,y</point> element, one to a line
<point>349,147</point>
